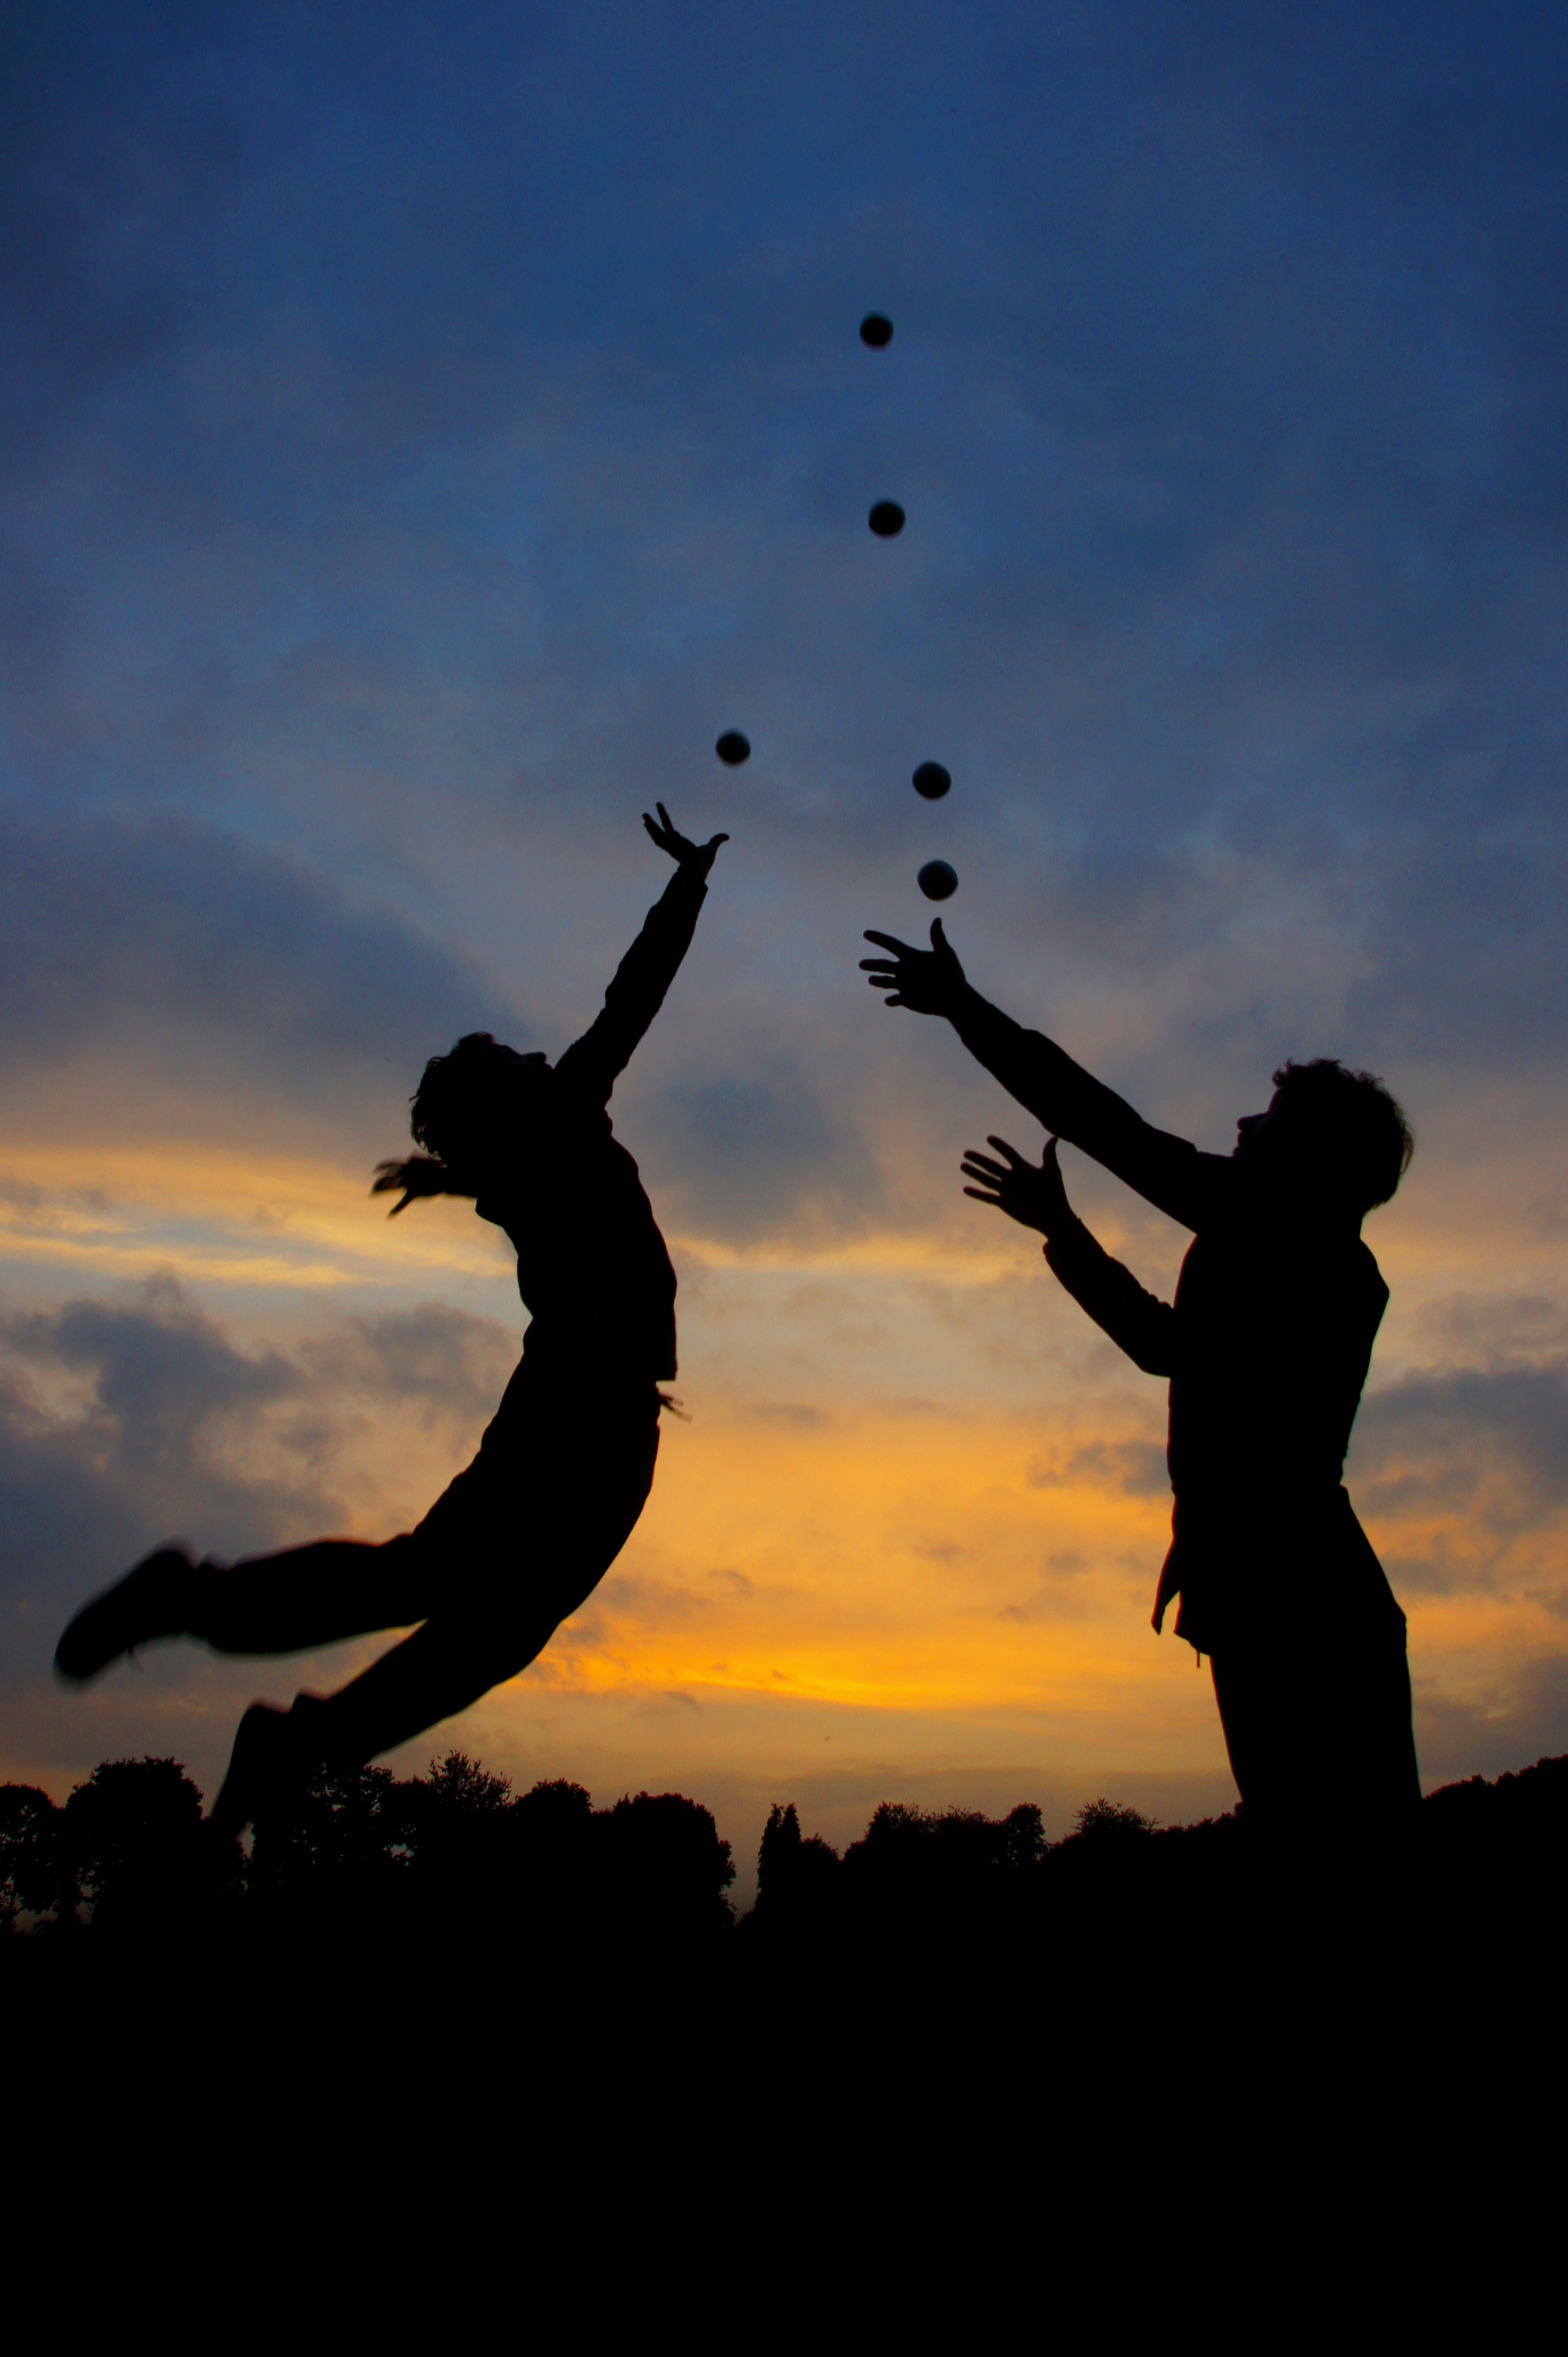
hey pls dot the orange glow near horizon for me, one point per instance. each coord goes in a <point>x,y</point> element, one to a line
<point>887,1511</point>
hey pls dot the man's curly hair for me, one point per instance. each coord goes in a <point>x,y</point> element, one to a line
<point>1367,1129</point>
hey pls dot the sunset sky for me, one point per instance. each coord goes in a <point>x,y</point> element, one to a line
<point>422,430</point>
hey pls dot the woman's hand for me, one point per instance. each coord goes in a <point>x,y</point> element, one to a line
<point>420,1175</point>
<point>930,982</point>
<point>1031,1193</point>
<point>700,855</point>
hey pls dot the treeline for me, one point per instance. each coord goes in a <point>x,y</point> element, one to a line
<point>458,1856</point>
<point>130,1850</point>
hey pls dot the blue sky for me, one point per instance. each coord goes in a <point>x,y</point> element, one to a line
<point>421,431</point>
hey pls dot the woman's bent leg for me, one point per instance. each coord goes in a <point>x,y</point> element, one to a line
<point>516,1545</point>
<point>315,1595</point>
<point>432,1674</point>
<point>284,1603</point>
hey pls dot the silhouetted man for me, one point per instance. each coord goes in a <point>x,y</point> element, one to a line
<point>521,1537</point>
<point>1266,1345</point>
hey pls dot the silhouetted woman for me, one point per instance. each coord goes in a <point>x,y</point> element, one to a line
<point>521,1537</point>
<point>1266,1345</point>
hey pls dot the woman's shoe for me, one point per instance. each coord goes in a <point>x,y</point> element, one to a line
<point>153,1601</point>
<point>266,1761</point>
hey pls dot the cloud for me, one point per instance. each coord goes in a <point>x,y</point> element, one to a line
<point>795,1416</point>
<point>225,972</point>
<point>122,156</point>
<point>1492,1331</point>
<point>768,1142</point>
<point>122,1422</point>
<point>444,1362</point>
<point>1134,1468</point>
<point>1523,1718</point>
<point>1489,1445</point>
<point>157,1433</point>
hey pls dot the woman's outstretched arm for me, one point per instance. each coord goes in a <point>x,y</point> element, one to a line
<point>593,1063</point>
<point>413,1179</point>
<point>1033,1194</point>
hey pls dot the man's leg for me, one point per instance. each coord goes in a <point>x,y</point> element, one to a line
<point>1256,1739</point>
<point>1316,1743</point>
<point>1375,1727</point>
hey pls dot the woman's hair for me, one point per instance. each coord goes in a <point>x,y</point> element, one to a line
<point>456,1090</point>
<point>1367,1132</point>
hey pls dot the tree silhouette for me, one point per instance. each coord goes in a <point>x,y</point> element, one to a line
<point>431,1869</point>
<point>667,1865</point>
<point>798,1879</point>
<point>1109,1821</point>
<point>458,1786</point>
<point>338,1849</point>
<point>34,1875</point>
<point>134,1837</point>
<point>462,1833</point>
<point>555,1859</point>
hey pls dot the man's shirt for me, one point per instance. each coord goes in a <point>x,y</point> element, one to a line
<point>1266,1345</point>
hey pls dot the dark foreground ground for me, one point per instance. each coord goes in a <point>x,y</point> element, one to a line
<point>430,2034</point>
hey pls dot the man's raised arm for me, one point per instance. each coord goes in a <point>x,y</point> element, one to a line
<point>1167,1171</point>
<point>1033,1194</point>
<point>594,1062</point>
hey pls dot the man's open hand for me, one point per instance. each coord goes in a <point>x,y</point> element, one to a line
<point>1032,1193</point>
<point>930,982</point>
<point>686,854</point>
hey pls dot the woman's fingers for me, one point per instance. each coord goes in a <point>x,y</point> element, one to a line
<point>1015,1159</point>
<point>980,1166</point>
<point>981,1197</point>
<point>891,941</point>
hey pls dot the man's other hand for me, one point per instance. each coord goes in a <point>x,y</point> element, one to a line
<point>928,982</point>
<point>686,854</point>
<point>1032,1193</point>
